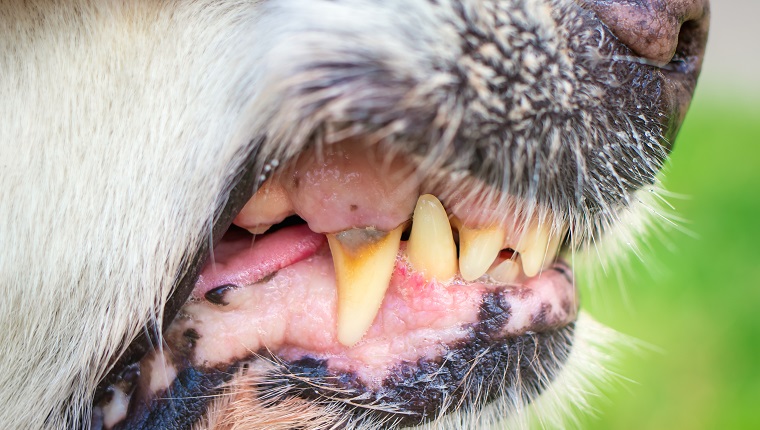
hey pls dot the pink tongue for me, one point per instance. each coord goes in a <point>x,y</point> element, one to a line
<point>239,262</point>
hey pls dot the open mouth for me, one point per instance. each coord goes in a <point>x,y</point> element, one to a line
<point>378,277</point>
<point>349,279</point>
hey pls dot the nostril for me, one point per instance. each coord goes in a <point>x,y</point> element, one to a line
<point>666,32</point>
<point>690,47</point>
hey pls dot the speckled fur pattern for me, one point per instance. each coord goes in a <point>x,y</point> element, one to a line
<point>481,76</point>
<point>125,126</point>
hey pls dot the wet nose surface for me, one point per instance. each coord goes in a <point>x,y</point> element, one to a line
<point>656,29</point>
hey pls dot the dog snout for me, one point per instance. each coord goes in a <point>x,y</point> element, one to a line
<point>658,30</point>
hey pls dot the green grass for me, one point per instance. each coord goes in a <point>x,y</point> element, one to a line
<point>702,313</point>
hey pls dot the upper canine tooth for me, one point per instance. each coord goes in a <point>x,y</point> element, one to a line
<point>478,248</point>
<point>431,248</point>
<point>533,247</point>
<point>364,260</point>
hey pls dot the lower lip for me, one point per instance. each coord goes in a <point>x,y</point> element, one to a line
<point>289,308</point>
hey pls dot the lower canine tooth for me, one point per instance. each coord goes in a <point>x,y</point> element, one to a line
<point>533,248</point>
<point>364,260</point>
<point>478,248</point>
<point>431,248</point>
<point>507,271</point>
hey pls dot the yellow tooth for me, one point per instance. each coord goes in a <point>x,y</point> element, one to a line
<point>364,260</point>
<point>258,229</point>
<point>532,248</point>
<point>431,248</point>
<point>539,244</point>
<point>507,271</point>
<point>478,248</point>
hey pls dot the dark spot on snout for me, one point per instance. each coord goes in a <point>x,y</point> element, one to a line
<point>130,375</point>
<point>494,313</point>
<point>266,278</point>
<point>125,381</point>
<point>567,306</point>
<point>192,336</point>
<point>216,296</point>
<point>540,321</point>
<point>564,271</point>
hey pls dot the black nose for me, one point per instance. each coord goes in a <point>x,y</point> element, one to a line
<point>658,30</point>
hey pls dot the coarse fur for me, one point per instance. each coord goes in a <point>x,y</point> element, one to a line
<point>125,126</point>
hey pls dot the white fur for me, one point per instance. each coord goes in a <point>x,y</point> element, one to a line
<point>121,123</point>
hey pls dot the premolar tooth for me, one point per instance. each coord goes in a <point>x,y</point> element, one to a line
<point>533,248</point>
<point>506,272</point>
<point>478,248</point>
<point>259,229</point>
<point>270,205</point>
<point>431,248</point>
<point>364,260</point>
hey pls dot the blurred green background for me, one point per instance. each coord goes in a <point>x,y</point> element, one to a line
<point>700,309</point>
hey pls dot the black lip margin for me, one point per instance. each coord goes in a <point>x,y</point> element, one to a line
<point>244,185</point>
<point>514,362</point>
<point>473,373</point>
<point>193,387</point>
